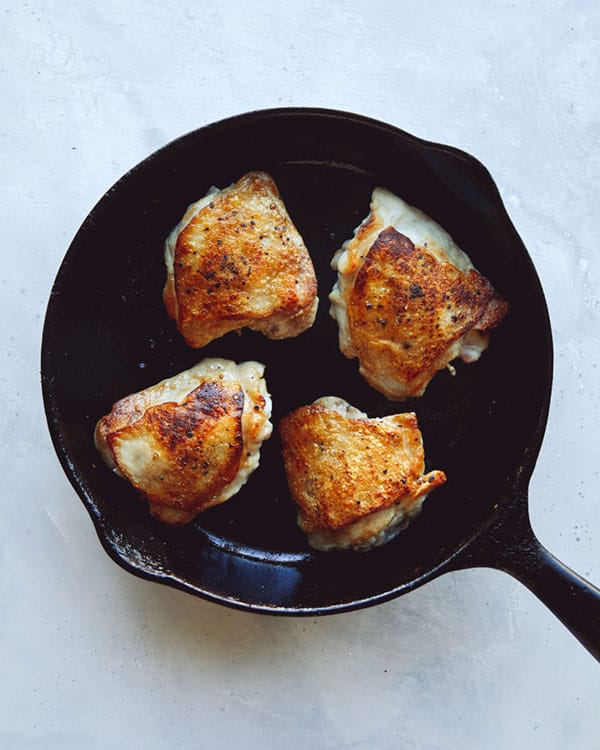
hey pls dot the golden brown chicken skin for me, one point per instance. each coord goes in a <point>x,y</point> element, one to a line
<point>191,441</point>
<point>356,481</point>
<point>407,309</point>
<point>236,260</point>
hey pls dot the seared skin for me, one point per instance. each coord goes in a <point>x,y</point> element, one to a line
<point>405,310</point>
<point>344,468</point>
<point>183,449</point>
<point>238,262</point>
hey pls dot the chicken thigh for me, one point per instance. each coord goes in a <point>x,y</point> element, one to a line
<point>236,260</point>
<point>357,482</point>
<point>189,442</point>
<point>407,300</point>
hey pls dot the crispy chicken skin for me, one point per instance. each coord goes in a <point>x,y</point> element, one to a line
<point>357,482</point>
<point>189,442</point>
<point>236,260</point>
<point>407,300</point>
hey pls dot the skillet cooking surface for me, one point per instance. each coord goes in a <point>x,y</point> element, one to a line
<point>107,335</point>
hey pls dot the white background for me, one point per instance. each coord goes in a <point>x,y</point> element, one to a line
<point>93,657</point>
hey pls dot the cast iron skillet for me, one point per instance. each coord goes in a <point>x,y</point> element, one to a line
<point>106,335</point>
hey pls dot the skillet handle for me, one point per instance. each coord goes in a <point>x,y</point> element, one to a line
<point>510,545</point>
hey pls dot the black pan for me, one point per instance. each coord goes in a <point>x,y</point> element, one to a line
<point>106,335</point>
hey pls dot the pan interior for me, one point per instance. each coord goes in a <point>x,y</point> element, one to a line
<point>107,335</point>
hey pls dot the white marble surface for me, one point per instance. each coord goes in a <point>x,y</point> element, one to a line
<point>93,657</point>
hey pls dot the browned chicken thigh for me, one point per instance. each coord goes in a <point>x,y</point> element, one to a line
<point>189,442</point>
<point>407,300</point>
<point>235,261</point>
<point>357,482</point>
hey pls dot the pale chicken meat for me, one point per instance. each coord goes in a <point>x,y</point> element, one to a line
<point>236,260</point>
<point>357,482</point>
<point>191,441</point>
<point>407,300</point>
